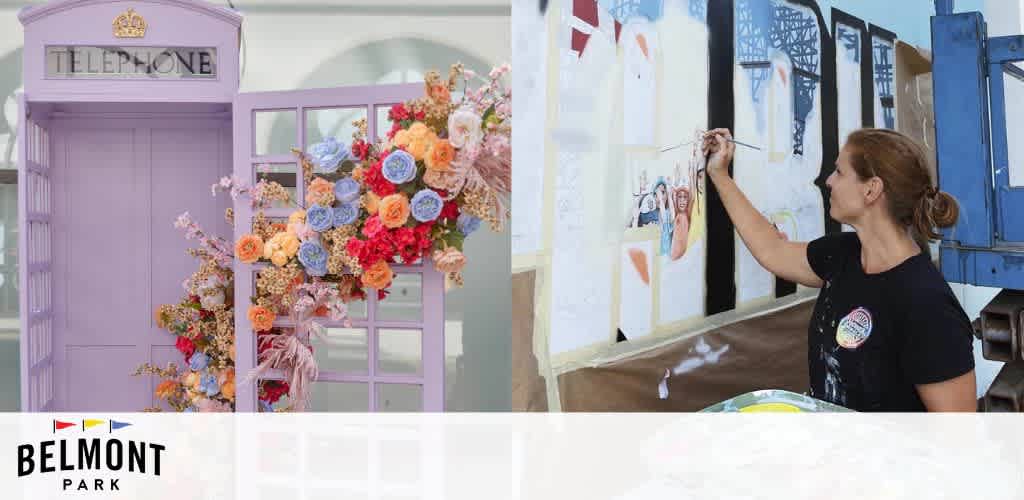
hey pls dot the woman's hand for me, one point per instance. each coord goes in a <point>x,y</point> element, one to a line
<point>718,144</point>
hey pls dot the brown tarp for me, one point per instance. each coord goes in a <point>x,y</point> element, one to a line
<point>529,392</point>
<point>767,352</point>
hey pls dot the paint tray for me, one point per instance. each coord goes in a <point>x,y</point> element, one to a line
<point>773,401</point>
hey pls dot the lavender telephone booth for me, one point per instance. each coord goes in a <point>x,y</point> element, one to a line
<point>130,112</point>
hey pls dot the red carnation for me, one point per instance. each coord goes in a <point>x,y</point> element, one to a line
<point>405,236</point>
<point>397,112</point>
<point>376,181</point>
<point>185,346</point>
<point>273,390</point>
<point>373,226</point>
<point>361,149</point>
<point>450,210</point>
<point>355,247</point>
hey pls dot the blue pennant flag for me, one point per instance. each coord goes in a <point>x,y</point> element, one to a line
<point>114,425</point>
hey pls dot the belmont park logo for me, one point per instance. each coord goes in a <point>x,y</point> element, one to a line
<point>90,450</point>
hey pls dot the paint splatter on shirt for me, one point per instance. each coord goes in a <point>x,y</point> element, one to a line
<point>874,337</point>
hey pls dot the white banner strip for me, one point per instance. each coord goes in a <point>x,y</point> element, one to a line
<point>511,456</point>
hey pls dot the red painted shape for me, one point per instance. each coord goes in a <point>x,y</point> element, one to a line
<point>586,10</point>
<point>579,41</point>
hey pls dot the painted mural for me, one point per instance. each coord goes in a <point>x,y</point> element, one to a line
<point>617,213</point>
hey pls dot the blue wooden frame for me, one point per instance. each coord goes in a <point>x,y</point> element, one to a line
<point>1001,51</point>
<point>986,246</point>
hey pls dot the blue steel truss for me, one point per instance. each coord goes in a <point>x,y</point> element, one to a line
<point>761,24</point>
<point>882,52</point>
<point>623,10</point>
<point>699,10</point>
<point>850,39</point>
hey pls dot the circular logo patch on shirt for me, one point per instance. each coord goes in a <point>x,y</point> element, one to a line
<point>854,329</point>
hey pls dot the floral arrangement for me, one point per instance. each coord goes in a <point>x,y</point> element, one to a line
<point>443,169</point>
<point>204,324</point>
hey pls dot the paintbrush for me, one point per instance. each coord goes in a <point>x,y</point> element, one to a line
<point>677,146</point>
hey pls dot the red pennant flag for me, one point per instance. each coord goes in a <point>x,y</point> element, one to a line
<point>618,31</point>
<point>58,425</point>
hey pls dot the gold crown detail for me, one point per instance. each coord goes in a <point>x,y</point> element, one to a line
<point>129,25</point>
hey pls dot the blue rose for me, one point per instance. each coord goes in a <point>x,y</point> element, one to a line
<point>346,190</point>
<point>198,361</point>
<point>329,154</point>
<point>319,218</point>
<point>399,167</point>
<point>426,205</point>
<point>209,385</point>
<point>345,214</point>
<point>313,257</point>
<point>265,406</point>
<point>467,224</point>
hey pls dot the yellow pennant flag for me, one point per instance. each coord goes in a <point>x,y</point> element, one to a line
<point>92,423</point>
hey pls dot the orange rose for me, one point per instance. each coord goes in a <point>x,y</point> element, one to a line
<point>440,93</point>
<point>378,275</point>
<point>321,192</point>
<point>371,201</point>
<point>165,389</point>
<point>418,148</point>
<point>249,248</point>
<point>394,210</point>
<point>261,318</point>
<point>228,389</point>
<point>440,155</point>
<point>401,138</point>
<point>357,173</point>
<point>418,130</point>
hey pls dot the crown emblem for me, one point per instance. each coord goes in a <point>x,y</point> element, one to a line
<point>129,25</point>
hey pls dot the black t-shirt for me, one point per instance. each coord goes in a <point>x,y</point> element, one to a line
<point>874,336</point>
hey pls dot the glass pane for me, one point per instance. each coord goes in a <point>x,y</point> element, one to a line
<point>332,122</point>
<point>405,302</point>
<point>399,351</point>
<point>275,132</point>
<point>340,397</point>
<point>281,173</point>
<point>357,309</point>
<point>1014,92</point>
<point>344,350</point>
<point>399,397</point>
<point>383,125</point>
